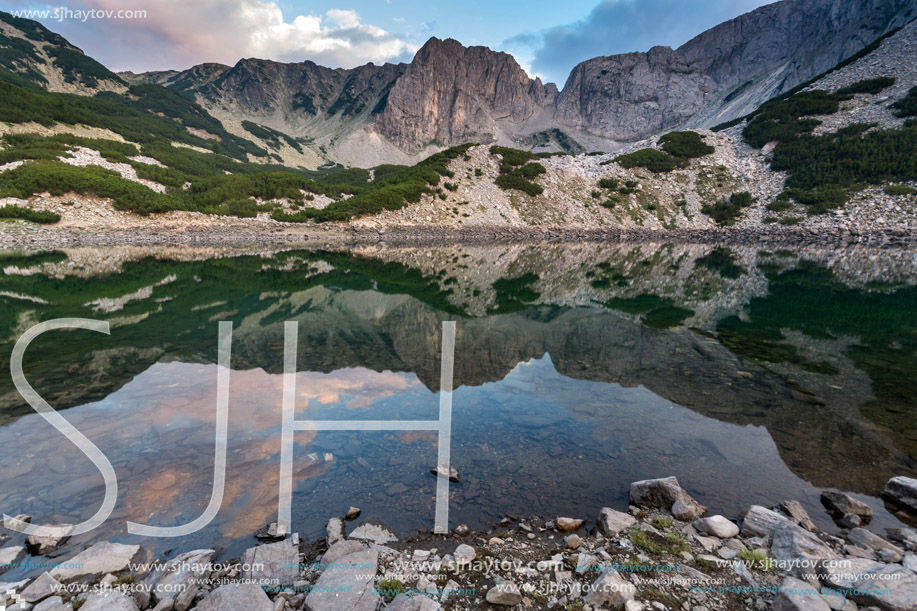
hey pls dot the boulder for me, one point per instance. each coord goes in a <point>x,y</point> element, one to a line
<point>10,555</point>
<point>334,531</point>
<point>865,538</point>
<point>892,588</point>
<point>352,513</point>
<point>40,589</point>
<point>718,526</point>
<point>110,600</point>
<point>374,530</point>
<point>348,584</point>
<point>341,549</point>
<point>840,504</point>
<point>236,597</point>
<point>179,573</point>
<point>55,603</point>
<point>403,602</point>
<point>451,473</point>
<point>843,575</point>
<point>902,491</point>
<point>762,522</point>
<point>612,523</point>
<point>100,559</point>
<point>506,594</point>
<point>46,544</point>
<point>610,591</point>
<point>798,514</point>
<point>464,554</point>
<point>799,549</point>
<point>274,564</point>
<point>568,524</point>
<point>796,595</point>
<point>666,493</point>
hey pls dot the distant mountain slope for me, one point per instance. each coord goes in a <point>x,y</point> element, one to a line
<point>725,72</point>
<point>36,54</point>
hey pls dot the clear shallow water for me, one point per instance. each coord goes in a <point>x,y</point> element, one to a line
<point>754,377</point>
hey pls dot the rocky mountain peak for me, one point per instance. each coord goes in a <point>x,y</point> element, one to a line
<point>451,93</point>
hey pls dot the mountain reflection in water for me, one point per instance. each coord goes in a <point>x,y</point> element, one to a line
<point>754,377</point>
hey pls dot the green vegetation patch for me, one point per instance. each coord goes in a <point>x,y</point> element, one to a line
<point>871,86</point>
<point>272,136</point>
<point>44,217</point>
<point>782,119</point>
<point>685,145</point>
<point>907,106</point>
<point>653,160</point>
<point>727,211</point>
<point>516,172</point>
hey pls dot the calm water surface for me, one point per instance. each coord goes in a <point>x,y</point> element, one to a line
<point>754,376</point>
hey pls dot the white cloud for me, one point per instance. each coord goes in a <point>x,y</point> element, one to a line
<point>178,34</point>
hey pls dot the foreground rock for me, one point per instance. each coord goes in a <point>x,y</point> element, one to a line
<point>797,595</point>
<point>612,523</point>
<point>611,591</point>
<point>666,493</point>
<point>903,492</point>
<point>718,526</point>
<point>348,584</point>
<point>236,597</point>
<point>504,594</point>
<point>100,559</point>
<point>41,545</point>
<point>374,530</point>
<point>109,601</point>
<point>272,565</point>
<point>891,587</point>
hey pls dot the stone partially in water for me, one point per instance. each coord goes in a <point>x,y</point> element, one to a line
<point>374,530</point>
<point>903,492</point>
<point>334,531</point>
<point>840,504</point>
<point>451,472</point>
<point>568,524</point>
<point>98,560</point>
<point>41,545</point>
<point>666,493</point>
<point>865,538</point>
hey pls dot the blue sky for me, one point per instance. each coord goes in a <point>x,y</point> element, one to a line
<point>547,37</point>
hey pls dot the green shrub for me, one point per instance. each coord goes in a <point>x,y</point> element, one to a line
<point>727,211</point>
<point>515,172</point>
<point>871,86</point>
<point>610,203</point>
<point>686,145</point>
<point>791,220</point>
<point>44,217</point>
<point>478,172</point>
<point>651,159</point>
<point>595,194</point>
<point>899,190</point>
<point>609,183</point>
<point>907,106</point>
<point>780,120</point>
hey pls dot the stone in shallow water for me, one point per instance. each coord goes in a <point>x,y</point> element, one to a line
<point>348,584</point>
<point>99,559</point>
<point>903,492</point>
<point>839,503</point>
<point>236,597</point>
<point>374,530</point>
<point>41,545</point>
<point>9,555</point>
<point>352,513</point>
<point>451,472</point>
<point>666,493</point>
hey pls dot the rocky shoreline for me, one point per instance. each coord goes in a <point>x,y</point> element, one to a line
<point>663,553</point>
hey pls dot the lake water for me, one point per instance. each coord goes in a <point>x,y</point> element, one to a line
<point>754,376</point>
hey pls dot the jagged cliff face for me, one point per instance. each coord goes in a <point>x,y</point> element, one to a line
<point>724,72</point>
<point>627,97</point>
<point>452,94</point>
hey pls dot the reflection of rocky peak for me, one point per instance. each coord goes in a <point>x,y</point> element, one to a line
<point>454,94</point>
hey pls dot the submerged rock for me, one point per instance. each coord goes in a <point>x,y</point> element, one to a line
<point>451,472</point>
<point>903,492</point>
<point>666,493</point>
